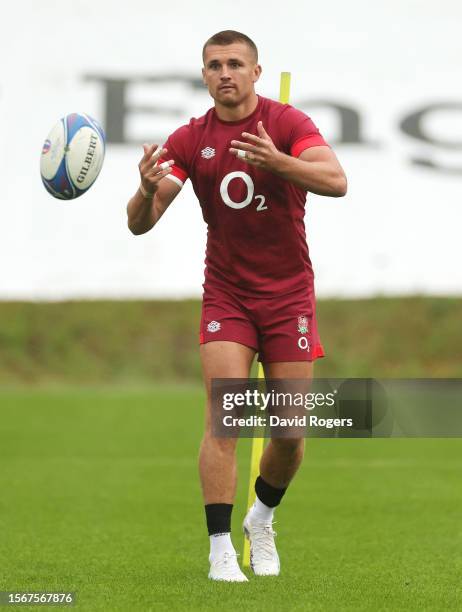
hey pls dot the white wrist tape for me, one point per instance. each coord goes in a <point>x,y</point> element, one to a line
<point>144,193</point>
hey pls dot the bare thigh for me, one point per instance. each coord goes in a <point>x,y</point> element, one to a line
<point>223,359</point>
<point>289,369</point>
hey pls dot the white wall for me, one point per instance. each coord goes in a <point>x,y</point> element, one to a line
<point>397,231</point>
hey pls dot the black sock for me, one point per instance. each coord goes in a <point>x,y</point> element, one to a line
<point>218,518</point>
<point>267,494</point>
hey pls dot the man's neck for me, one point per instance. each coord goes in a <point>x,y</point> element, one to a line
<point>236,113</point>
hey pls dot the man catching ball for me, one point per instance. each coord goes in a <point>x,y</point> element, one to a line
<point>251,162</point>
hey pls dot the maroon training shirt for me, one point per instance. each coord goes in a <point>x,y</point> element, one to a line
<point>256,241</point>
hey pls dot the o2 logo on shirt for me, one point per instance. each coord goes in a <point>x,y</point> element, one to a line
<point>250,191</point>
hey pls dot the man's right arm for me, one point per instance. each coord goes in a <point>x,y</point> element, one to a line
<point>154,195</point>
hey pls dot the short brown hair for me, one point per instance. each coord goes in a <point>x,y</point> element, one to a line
<point>227,37</point>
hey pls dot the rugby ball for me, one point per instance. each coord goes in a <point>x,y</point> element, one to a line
<point>72,156</point>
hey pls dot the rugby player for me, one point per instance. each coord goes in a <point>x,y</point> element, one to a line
<point>251,161</point>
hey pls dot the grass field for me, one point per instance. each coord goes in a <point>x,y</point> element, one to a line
<point>100,495</point>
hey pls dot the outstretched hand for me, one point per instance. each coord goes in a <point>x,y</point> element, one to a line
<point>259,151</point>
<point>150,172</point>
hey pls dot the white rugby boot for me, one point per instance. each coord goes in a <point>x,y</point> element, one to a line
<point>225,567</point>
<point>264,558</point>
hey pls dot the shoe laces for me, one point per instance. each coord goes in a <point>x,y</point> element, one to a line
<point>263,534</point>
<point>227,560</point>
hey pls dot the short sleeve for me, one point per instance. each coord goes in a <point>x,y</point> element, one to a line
<point>176,150</point>
<point>300,131</point>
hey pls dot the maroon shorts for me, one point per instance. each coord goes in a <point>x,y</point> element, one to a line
<point>281,328</point>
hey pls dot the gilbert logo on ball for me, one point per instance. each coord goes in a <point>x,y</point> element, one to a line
<point>72,156</point>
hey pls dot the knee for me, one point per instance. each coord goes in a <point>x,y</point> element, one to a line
<point>223,446</point>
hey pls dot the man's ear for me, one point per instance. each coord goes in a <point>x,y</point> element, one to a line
<point>257,72</point>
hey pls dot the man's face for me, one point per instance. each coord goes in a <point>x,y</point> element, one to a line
<point>230,72</point>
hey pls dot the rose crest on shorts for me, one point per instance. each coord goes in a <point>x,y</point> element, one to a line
<point>302,324</point>
<point>213,326</point>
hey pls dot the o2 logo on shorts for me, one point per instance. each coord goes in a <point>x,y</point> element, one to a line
<point>250,191</point>
<point>302,328</point>
<point>303,344</point>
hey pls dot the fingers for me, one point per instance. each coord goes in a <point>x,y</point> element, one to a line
<point>259,151</point>
<point>155,156</point>
<point>153,170</point>
<point>151,153</point>
<point>153,179</point>
<point>263,134</point>
<point>148,151</point>
<point>238,153</point>
<point>245,146</point>
<point>256,142</point>
<point>247,156</point>
<point>262,130</point>
<point>150,182</point>
<point>255,139</point>
<point>245,151</point>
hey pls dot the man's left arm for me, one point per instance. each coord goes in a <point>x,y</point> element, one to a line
<point>317,168</point>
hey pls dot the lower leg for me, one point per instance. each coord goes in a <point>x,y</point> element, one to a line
<point>281,460</point>
<point>282,456</point>
<point>217,469</point>
<point>278,465</point>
